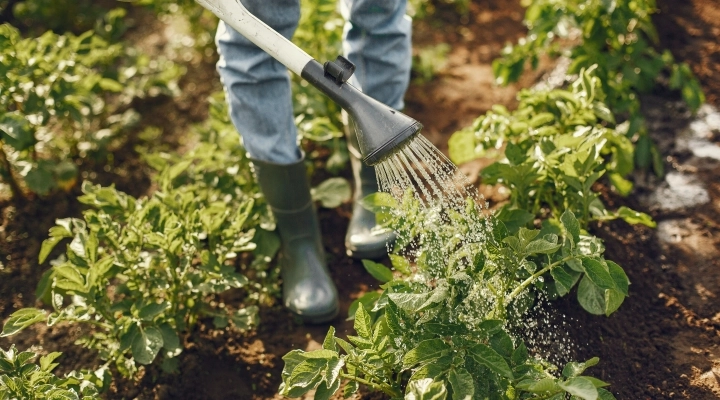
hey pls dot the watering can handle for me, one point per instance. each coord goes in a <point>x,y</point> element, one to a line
<point>237,16</point>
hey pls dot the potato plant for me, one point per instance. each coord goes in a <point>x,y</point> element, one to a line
<point>421,9</point>
<point>21,378</point>
<point>55,15</point>
<point>66,97</point>
<point>441,327</point>
<point>142,272</point>
<point>557,145</point>
<point>617,36</point>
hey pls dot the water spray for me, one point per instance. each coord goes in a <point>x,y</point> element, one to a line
<point>381,130</point>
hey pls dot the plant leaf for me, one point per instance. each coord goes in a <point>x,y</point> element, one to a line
<point>573,368</point>
<point>363,322</point>
<point>378,271</point>
<point>408,301</point>
<point>171,340</point>
<point>571,224</point>
<point>21,319</point>
<point>541,246</point>
<point>635,217</point>
<point>245,318</point>
<point>462,384</point>
<point>150,311</point>
<point>329,342</point>
<point>580,387</point>
<point>332,192</point>
<point>542,386</point>
<point>619,277</point>
<point>425,351</point>
<point>591,297</point>
<point>425,389</point>
<point>613,300</point>
<point>305,376</point>
<point>400,263</point>
<point>605,395</point>
<point>40,180</point>
<point>598,273</point>
<point>368,300</point>
<point>491,359</point>
<point>147,344</point>
<point>564,279</point>
<point>324,392</point>
<point>379,202</point>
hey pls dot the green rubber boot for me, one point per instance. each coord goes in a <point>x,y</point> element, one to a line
<point>308,290</point>
<point>361,240</point>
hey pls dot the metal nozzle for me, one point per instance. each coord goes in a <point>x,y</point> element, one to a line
<point>380,129</point>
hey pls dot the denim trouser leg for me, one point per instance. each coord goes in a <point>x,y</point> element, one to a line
<point>376,39</point>
<point>258,86</point>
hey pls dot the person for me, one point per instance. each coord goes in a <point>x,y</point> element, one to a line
<point>377,39</point>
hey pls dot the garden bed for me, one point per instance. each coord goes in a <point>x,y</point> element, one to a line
<point>664,342</point>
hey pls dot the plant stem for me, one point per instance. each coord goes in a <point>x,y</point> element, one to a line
<point>364,371</point>
<point>532,279</point>
<point>387,389</point>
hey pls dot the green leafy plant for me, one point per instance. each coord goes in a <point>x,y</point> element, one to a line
<point>429,61</point>
<point>557,145</point>
<point>141,272</point>
<point>618,37</point>
<point>66,97</point>
<point>55,15</point>
<point>20,378</point>
<point>441,325</point>
<point>423,8</point>
<point>332,192</point>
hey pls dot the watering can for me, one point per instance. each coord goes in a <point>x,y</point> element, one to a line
<point>380,130</point>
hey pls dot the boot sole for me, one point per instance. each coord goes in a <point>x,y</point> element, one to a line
<point>372,254</point>
<point>319,319</point>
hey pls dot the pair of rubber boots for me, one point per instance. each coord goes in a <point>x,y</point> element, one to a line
<point>308,290</point>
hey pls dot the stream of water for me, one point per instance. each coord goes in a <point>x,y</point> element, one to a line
<point>419,168</point>
<point>434,180</point>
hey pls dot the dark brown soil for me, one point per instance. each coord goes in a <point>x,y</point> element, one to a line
<point>690,29</point>
<point>664,342</point>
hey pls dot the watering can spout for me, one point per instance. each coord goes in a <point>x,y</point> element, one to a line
<point>380,129</point>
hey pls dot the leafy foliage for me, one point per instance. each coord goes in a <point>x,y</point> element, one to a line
<point>56,105</point>
<point>558,143</point>
<point>439,329</point>
<point>425,8</point>
<point>20,378</point>
<point>143,271</point>
<point>55,15</point>
<point>429,61</point>
<point>618,37</point>
<point>332,192</point>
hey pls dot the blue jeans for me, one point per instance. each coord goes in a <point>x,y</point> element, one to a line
<point>376,39</point>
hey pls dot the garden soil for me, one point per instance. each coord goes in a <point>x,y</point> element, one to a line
<point>663,343</point>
